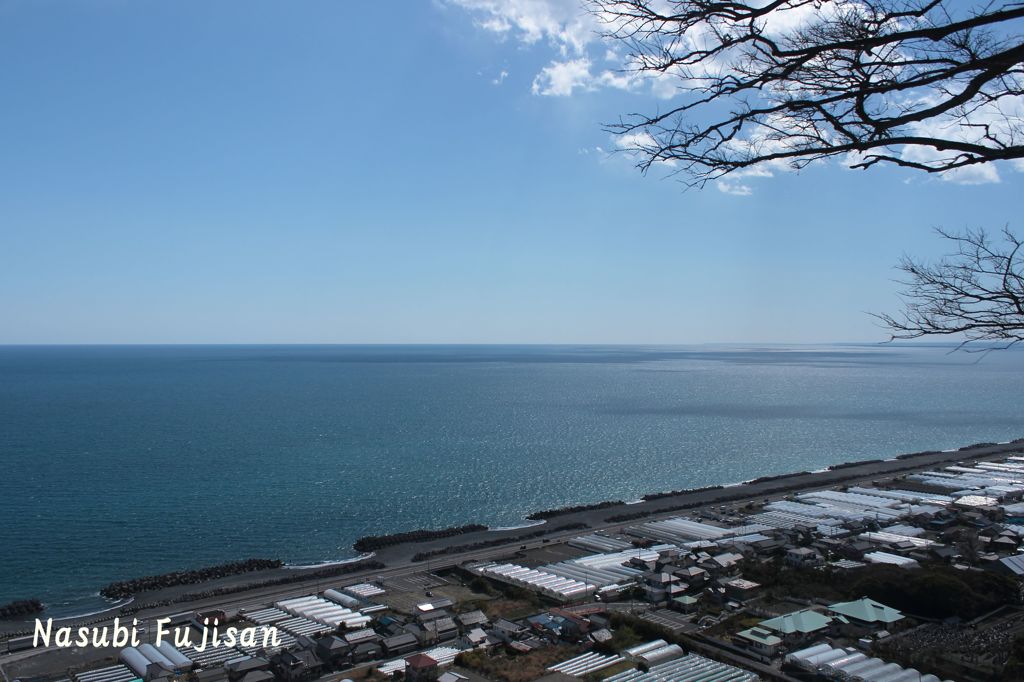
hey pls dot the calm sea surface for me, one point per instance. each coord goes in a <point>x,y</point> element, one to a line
<point>117,462</point>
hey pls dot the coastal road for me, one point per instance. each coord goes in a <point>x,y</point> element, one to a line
<point>399,558</point>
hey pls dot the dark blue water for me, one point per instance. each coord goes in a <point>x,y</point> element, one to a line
<point>117,462</point>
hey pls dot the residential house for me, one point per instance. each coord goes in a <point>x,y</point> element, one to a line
<point>357,637</point>
<point>399,645</point>
<point>803,557</point>
<point>476,638</point>
<point>422,636</point>
<point>720,563</point>
<point>507,631</point>
<point>294,666</point>
<point>420,668</point>
<point>759,640</point>
<point>367,651</point>
<point>685,603</point>
<point>333,651</point>
<point>441,629</point>
<point>741,590</point>
<point>693,576</point>
<point>660,586</point>
<point>259,676</point>
<point>471,619</point>
<point>239,667</point>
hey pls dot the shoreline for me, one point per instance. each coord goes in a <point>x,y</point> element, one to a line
<point>584,518</point>
<point>329,563</point>
<point>122,603</point>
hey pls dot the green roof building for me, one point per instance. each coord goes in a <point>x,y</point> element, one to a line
<point>797,623</point>
<point>760,640</point>
<point>684,603</point>
<point>867,612</point>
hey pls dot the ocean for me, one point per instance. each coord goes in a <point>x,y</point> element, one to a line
<point>123,461</point>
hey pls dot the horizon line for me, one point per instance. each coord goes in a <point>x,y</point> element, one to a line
<point>535,344</point>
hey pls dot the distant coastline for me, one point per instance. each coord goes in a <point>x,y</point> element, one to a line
<point>443,543</point>
<point>458,435</point>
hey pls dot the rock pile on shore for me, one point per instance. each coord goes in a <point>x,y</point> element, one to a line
<point>126,588</point>
<point>562,511</point>
<point>22,607</point>
<point>370,543</point>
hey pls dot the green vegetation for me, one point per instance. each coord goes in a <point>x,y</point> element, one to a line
<point>933,591</point>
<point>506,601</point>
<point>645,630</point>
<point>503,667</point>
<point>481,585</point>
<point>1014,668</point>
<point>623,637</point>
<point>509,609</point>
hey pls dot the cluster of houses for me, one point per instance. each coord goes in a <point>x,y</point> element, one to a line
<point>791,631</point>
<point>420,646</point>
<point>967,516</point>
<point>309,656</point>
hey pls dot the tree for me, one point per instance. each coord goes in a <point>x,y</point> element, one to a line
<point>976,292</point>
<point>934,85</point>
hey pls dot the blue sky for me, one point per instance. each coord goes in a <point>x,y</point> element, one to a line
<point>332,172</point>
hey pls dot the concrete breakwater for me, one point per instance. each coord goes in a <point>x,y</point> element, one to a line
<point>127,588</point>
<point>370,543</point>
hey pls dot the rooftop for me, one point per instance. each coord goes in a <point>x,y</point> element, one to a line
<point>799,621</point>
<point>1014,563</point>
<point>867,610</point>
<point>760,635</point>
<point>420,661</point>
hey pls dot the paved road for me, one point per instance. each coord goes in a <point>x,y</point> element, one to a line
<point>399,558</point>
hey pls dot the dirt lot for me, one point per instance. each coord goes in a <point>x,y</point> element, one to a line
<point>549,554</point>
<point>509,609</point>
<point>518,668</point>
<point>405,593</point>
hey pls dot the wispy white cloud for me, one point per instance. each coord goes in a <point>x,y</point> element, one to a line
<point>565,24</point>
<point>583,62</point>
<point>574,32</point>
<point>562,78</point>
<point>994,120</point>
<point>568,28</point>
<point>500,77</point>
<point>635,142</point>
<point>734,188</point>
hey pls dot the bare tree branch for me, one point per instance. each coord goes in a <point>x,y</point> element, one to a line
<point>976,293</point>
<point>933,85</point>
